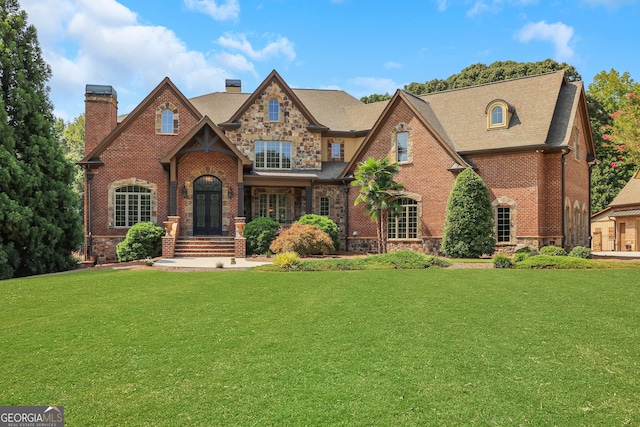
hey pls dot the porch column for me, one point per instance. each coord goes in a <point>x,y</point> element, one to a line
<point>309,192</point>
<point>173,198</point>
<point>241,199</point>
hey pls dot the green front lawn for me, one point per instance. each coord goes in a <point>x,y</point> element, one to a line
<point>406,347</point>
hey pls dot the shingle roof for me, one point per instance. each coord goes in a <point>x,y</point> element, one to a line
<point>335,109</point>
<point>462,112</point>
<point>630,194</point>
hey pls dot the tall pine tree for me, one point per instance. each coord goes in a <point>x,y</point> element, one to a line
<point>39,222</point>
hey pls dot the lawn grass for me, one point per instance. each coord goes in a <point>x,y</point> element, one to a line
<point>405,347</point>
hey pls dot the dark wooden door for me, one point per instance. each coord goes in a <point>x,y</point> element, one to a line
<point>207,206</point>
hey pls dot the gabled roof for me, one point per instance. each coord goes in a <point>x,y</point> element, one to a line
<point>206,122</point>
<point>543,107</point>
<point>630,193</point>
<point>130,118</point>
<point>422,110</point>
<point>334,109</point>
<point>271,78</point>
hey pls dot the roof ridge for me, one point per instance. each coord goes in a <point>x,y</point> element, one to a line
<point>492,83</point>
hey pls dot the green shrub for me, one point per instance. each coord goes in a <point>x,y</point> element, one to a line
<point>287,260</point>
<point>259,234</point>
<point>580,252</point>
<point>408,260</point>
<point>325,224</point>
<point>469,223</point>
<point>553,251</point>
<point>529,250</point>
<point>502,261</point>
<point>303,239</point>
<point>521,256</point>
<point>143,240</point>
<point>555,262</point>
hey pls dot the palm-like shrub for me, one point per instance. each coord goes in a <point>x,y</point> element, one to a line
<point>287,260</point>
<point>325,224</point>
<point>468,229</point>
<point>303,239</point>
<point>143,240</point>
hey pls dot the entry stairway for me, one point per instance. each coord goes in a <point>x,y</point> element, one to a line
<point>205,247</point>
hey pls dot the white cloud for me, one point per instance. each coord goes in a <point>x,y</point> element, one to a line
<point>479,7</point>
<point>228,10</point>
<point>104,42</point>
<point>392,64</point>
<point>442,5</point>
<point>280,47</point>
<point>559,34</point>
<point>364,86</point>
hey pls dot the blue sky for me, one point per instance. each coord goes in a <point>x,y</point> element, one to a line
<point>360,46</point>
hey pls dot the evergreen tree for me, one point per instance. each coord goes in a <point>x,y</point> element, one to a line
<point>468,228</point>
<point>40,225</point>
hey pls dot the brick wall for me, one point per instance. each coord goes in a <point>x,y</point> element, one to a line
<point>133,155</point>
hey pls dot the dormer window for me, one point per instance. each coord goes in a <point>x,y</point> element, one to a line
<point>498,114</point>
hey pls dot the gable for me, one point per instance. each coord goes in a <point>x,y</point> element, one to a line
<point>630,193</point>
<point>140,126</point>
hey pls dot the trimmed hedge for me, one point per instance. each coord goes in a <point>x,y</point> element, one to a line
<point>580,252</point>
<point>555,262</point>
<point>502,261</point>
<point>553,251</point>
<point>143,239</point>
<point>259,234</point>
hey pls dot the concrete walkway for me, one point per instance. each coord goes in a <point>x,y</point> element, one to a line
<point>617,254</point>
<point>208,262</point>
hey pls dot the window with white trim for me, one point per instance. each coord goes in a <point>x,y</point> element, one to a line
<point>324,206</point>
<point>405,225</point>
<point>132,205</point>
<point>273,155</point>
<point>335,150</point>
<point>403,146</point>
<point>274,110</point>
<point>274,206</point>
<point>503,221</point>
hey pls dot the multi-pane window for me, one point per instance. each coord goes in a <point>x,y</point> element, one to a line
<point>167,121</point>
<point>324,206</point>
<point>504,224</point>
<point>274,110</point>
<point>403,146</point>
<point>335,150</point>
<point>133,205</point>
<point>274,206</point>
<point>497,116</point>
<point>405,225</point>
<point>273,155</point>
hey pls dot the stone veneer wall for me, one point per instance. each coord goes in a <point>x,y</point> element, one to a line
<point>306,150</point>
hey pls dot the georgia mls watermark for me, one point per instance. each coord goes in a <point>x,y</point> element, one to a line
<point>31,416</point>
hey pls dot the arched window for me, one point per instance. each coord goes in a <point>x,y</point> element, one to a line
<point>132,205</point>
<point>497,116</point>
<point>167,121</point>
<point>405,225</point>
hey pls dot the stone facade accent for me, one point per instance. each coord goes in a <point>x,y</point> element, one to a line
<point>255,126</point>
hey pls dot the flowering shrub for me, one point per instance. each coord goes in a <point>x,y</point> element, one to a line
<point>624,134</point>
<point>303,239</point>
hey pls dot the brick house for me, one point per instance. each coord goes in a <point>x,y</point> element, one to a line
<point>204,166</point>
<point>617,227</point>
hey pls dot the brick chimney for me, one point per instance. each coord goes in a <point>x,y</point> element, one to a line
<point>101,114</point>
<point>233,85</point>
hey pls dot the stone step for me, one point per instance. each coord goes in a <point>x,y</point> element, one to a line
<point>205,247</point>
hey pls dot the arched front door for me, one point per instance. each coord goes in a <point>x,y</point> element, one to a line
<point>207,206</point>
